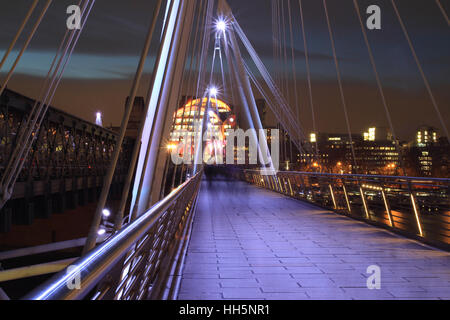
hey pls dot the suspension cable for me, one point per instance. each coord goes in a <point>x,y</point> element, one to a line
<point>137,198</point>
<point>25,46</point>
<point>183,82</point>
<point>195,85</point>
<point>133,162</point>
<point>190,86</point>
<point>29,131</point>
<point>289,118</point>
<point>40,107</point>
<point>308,74</point>
<point>201,75</point>
<point>341,89</point>
<point>274,39</point>
<point>294,71</point>
<point>285,62</point>
<point>444,13</point>
<point>286,77</point>
<point>19,32</point>
<point>379,85</point>
<point>422,73</point>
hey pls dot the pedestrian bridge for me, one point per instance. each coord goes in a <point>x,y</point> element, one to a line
<point>288,235</point>
<point>236,240</point>
<point>250,243</point>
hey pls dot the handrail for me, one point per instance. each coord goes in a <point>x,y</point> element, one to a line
<point>445,180</point>
<point>415,207</point>
<point>96,265</point>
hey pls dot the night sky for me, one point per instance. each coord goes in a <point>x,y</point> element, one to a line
<point>100,73</point>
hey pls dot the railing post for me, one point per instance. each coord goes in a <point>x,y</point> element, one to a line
<point>279,184</point>
<point>346,197</point>
<point>387,206</point>
<point>364,200</point>
<point>332,196</point>
<point>290,186</point>
<point>302,183</point>
<point>284,184</point>
<point>415,208</point>
<point>272,183</point>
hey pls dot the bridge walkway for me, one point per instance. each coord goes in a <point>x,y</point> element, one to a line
<point>250,243</point>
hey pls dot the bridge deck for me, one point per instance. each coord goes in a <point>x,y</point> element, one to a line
<point>249,243</point>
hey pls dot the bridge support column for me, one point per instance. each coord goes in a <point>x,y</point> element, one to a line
<point>163,101</point>
<point>244,87</point>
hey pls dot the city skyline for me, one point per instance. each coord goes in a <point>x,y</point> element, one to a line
<point>99,74</point>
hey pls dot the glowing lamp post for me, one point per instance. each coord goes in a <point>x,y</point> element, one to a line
<point>213,91</point>
<point>221,26</point>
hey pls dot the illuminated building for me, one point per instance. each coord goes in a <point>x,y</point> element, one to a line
<point>377,157</point>
<point>377,134</point>
<point>370,135</point>
<point>426,136</point>
<point>375,152</point>
<point>334,151</point>
<point>187,118</point>
<point>429,155</point>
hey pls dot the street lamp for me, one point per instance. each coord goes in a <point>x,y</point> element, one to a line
<point>213,91</point>
<point>106,213</point>
<point>98,119</point>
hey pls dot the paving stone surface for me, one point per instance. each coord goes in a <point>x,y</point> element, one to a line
<point>250,243</point>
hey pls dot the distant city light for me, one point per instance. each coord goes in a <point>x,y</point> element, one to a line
<point>370,135</point>
<point>98,119</point>
<point>313,138</point>
<point>213,91</point>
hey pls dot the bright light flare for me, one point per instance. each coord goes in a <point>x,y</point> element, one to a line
<point>221,25</point>
<point>98,119</point>
<point>101,232</point>
<point>213,91</point>
<point>171,146</point>
<point>106,213</point>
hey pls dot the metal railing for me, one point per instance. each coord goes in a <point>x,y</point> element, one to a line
<point>63,170</point>
<point>135,264</point>
<point>417,207</point>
